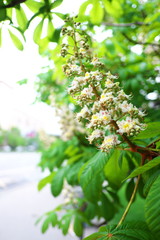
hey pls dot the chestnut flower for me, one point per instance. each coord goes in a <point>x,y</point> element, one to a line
<point>106,109</point>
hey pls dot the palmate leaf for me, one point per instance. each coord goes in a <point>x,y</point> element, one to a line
<point>152,208</point>
<point>134,231</point>
<point>91,175</point>
<point>144,168</point>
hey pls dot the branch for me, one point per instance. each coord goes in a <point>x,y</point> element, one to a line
<point>126,24</point>
<point>139,42</point>
<point>13,4</point>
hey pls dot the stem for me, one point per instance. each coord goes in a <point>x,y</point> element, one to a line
<point>130,202</point>
<point>133,194</point>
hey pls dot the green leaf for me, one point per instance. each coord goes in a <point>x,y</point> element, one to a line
<point>45,225</point>
<point>23,81</point>
<point>37,32</point>
<point>144,168</point>
<point>56,3</point>
<point>45,181</point>
<point>152,35</point>
<point>78,227</point>
<point>152,208</point>
<point>33,5</point>
<point>94,236</point>
<point>82,10</point>
<point>115,174</point>
<point>50,29</point>
<point>21,18</point>
<point>56,35</point>
<point>16,41</point>
<point>129,190</point>
<point>150,181</point>
<point>107,208</point>
<point>65,222</point>
<point>51,219</point>
<point>152,130</point>
<point>96,13</point>
<point>57,182</point>
<point>130,231</point>
<point>72,174</point>
<point>2,14</point>
<point>91,176</point>
<point>60,15</point>
<point>113,8</point>
<point>120,159</point>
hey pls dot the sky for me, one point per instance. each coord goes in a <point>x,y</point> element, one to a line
<point>16,102</point>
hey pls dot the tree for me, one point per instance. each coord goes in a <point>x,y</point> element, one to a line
<point>127,167</point>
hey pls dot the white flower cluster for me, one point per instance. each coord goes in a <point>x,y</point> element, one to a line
<point>68,122</point>
<point>106,110</point>
<point>71,193</point>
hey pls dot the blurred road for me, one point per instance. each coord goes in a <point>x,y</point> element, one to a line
<point>20,202</point>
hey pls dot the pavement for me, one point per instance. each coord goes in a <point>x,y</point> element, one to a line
<point>20,202</point>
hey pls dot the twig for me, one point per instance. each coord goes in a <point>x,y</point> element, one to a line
<point>130,202</point>
<point>133,194</point>
<point>126,24</point>
<point>139,42</point>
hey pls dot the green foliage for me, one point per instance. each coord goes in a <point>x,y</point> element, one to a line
<point>127,39</point>
<point>112,166</point>
<point>91,176</point>
<point>45,181</point>
<point>16,40</point>
<point>144,168</point>
<point>152,130</point>
<point>57,182</point>
<point>137,231</point>
<point>152,208</point>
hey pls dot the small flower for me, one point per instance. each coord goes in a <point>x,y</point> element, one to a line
<point>86,93</point>
<point>95,61</point>
<point>109,142</point>
<point>87,75</point>
<point>82,51</point>
<point>109,83</point>
<point>95,135</point>
<point>125,106</point>
<point>129,125</point>
<point>96,75</point>
<point>106,97</point>
<point>84,113</point>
